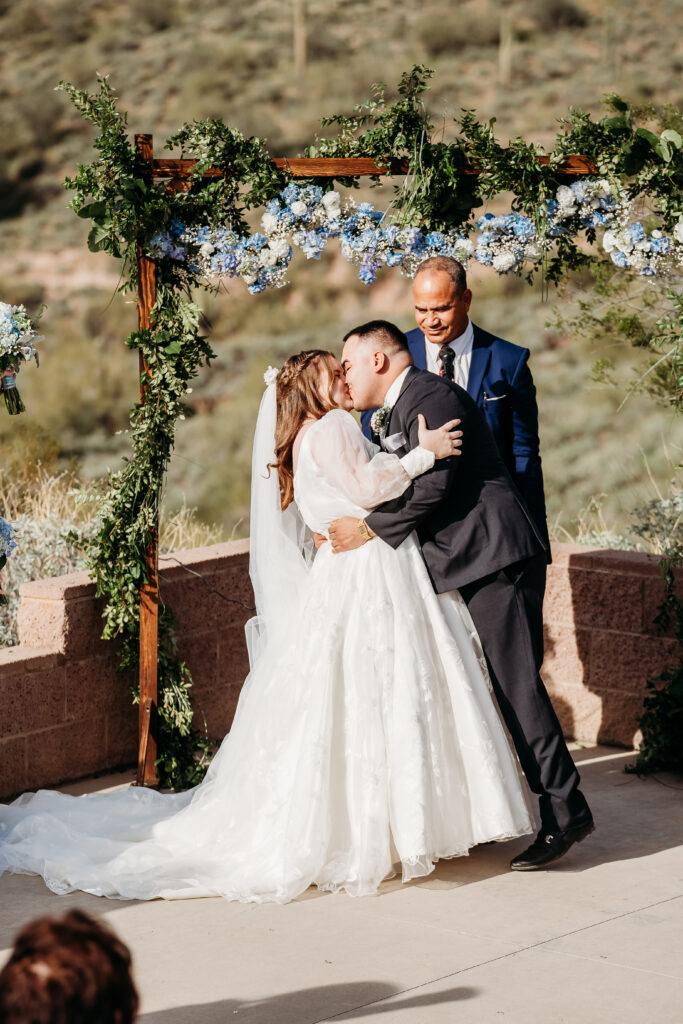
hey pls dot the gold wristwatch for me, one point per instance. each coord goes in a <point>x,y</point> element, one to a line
<point>363,530</point>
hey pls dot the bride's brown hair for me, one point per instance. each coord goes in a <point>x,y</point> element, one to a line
<point>296,388</point>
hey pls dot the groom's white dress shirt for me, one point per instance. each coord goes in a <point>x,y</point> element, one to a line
<point>462,346</point>
<point>395,389</point>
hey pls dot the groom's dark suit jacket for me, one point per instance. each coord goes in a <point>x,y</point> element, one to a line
<point>501,384</point>
<point>470,518</point>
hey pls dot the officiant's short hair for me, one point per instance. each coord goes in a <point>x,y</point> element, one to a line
<point>388,335</point>
<point>448,265</point>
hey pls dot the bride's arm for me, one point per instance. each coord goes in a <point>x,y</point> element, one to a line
<point>340,453</point>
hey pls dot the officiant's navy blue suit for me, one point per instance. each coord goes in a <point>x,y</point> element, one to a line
<point>501,384</point>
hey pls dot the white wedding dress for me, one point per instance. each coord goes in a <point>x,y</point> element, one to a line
<point>366,736</point>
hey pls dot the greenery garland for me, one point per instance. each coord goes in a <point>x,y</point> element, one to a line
<point>114,193</point>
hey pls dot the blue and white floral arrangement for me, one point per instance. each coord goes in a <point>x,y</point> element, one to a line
<point>7,546</point>
<point>306,217</point>
<point>18,339</point>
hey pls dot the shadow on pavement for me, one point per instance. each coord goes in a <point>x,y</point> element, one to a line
<point>309,1005</point>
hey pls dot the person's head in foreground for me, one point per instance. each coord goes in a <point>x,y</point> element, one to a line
<point>374,355</point>
<point>68,970</point>
<point>441,299</point>
<point>308,385</point>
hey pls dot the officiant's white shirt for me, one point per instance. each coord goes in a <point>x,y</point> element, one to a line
<point>462,346</point>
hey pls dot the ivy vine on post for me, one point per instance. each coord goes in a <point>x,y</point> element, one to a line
<point>199,232</point>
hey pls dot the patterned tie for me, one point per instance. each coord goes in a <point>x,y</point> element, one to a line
<point>447,357</point>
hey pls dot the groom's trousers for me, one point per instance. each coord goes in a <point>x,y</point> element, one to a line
<point>507,610</point>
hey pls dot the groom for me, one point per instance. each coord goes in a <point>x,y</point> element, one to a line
<point>477,536</point>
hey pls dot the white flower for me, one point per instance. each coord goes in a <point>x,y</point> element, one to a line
<point>609,241</point>
<point>504,261</point>
<point>378,420</point>
<point>565,196</point>
<point>678,231</point>
<point>332,202</point>
<point>280,246</point>
<point>638,259</point>
<point>464,246</point>
<point>270,376</point>
<point>269,222</point>
<point>268,257</point>
<point>298,208</point>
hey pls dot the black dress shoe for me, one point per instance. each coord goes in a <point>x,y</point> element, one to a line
<point>550,846</point>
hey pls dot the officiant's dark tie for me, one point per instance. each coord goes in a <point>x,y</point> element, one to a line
<point>447,357</point>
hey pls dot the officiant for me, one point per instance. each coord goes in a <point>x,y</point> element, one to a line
<point>493,371</point>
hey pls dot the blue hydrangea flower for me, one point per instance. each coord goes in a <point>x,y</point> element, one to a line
<point>635,232</point>
<point>291,193</point>
<point>368,270</point>
<point>312,244</point>
<point>434,238</point>
<point>312,194</point>
<point>524,228</point>
<point>484,256</point>
<point>177,227</point>
<point>414,241</point>
<point>394,259</point>
<point>7,542</point>
<point>256,241</point>
<point>620,259</point>
<point>224,263</point>
<point>660,246</point>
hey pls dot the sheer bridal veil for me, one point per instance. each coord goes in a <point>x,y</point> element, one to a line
<point>280,545</point>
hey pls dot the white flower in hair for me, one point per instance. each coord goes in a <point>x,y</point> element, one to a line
<point>270,376</point>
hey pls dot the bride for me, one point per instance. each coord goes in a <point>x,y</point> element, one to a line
<point>366,735</point>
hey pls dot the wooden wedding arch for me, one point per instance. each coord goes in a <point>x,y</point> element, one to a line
<point>178,176</point>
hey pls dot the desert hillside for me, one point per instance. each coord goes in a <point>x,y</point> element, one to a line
<point>273,68</point>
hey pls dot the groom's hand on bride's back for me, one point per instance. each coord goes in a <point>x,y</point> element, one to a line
<point>346,534</point>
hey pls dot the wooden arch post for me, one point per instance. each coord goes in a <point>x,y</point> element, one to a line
<point>177,176</point>
<point>149,590</point>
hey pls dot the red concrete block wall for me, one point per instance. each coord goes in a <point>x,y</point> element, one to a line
<point>66,712</point>
<point>601,644</point>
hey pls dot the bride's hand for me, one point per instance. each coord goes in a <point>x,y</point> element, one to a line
<point>443,441</point>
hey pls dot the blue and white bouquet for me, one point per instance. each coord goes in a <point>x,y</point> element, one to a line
<point>306,217</point>
<point>18,338</point>
<point>7,546</point>
<point>650,253</point>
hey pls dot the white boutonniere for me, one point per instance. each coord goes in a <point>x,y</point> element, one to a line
<point>379,419</point>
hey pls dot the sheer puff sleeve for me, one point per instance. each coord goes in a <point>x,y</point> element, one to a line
<point>340,452</point>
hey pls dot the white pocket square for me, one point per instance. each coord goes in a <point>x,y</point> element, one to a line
<point>395,441</point>
<point>493,398</point>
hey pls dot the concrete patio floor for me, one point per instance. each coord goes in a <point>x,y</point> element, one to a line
<point>598,938</point>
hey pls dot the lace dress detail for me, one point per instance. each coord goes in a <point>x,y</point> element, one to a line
<point>368,738</point>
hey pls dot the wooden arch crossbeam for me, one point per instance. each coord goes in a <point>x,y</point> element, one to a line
<point>178,176</point>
